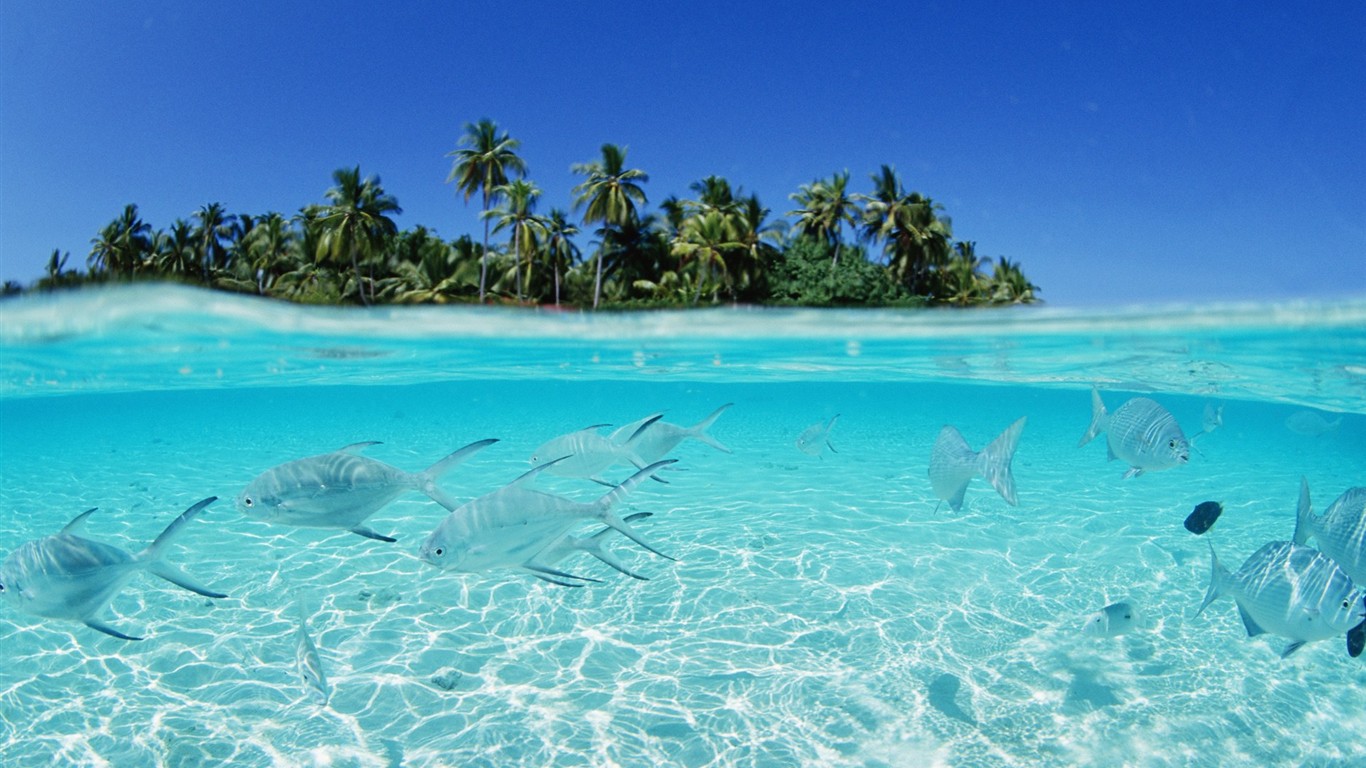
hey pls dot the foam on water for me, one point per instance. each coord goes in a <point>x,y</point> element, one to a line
<point>823,610</point>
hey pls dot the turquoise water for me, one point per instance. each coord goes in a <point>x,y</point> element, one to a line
<point>822,609</point>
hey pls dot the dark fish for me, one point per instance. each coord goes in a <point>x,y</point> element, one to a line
<point>1356,640</point>
<point>1203,517</point>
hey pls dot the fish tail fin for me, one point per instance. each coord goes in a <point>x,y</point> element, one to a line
<point>1218,576</point>
<point>605,504</point>
<point>1098,419</point>
<point>699,430</point>
<point>593,545</point>
<point>427,478</point>
<point>1304,516</point>
<point>155,552</point>
<point>157,548</point>
<point>994,461</point>
<point>179,578</point>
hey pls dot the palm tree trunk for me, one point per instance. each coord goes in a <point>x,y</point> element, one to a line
<point>360,282</point>
<point>597,282</point>
<point>484,256</point>
<point>517,258</point>
<point>557,286</point>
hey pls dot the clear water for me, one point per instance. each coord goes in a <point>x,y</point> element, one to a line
<point>823,610</point>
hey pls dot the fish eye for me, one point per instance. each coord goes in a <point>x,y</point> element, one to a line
<point>2,587</point>
<point>1172,444</point>
<point>247,501</point>
<point>1345,603</point>
<point>440,551</point>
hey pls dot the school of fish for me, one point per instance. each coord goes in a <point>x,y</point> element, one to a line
<point>1286,588</point>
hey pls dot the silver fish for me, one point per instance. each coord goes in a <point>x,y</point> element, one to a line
<point>586,452</point>
<point>309,664</point>
<point>816,438</point>
<point>1114,619</point>
<point>654,439</point>
<point>1140,433</point>
<point>953,464</point>
<point>1311,423</point>
<point>1289,590</point>
<point>341,489</point>
<point>509,527</point>
<point>1213,417</point>
<point>1340,532</point>
<point>593,545</point>
<point>66,576</point>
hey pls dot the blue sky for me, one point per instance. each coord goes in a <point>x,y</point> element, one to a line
<point>1122,154</point>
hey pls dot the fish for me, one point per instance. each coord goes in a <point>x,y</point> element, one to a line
<point>1311,423</point>
<point>1213,418</point>
<point>66,576</point>
<point>1340,532</point>
<point>953,464</point>
<point>1202,518</point>
<point>816,438</point>
<point>509,527</point>
<point>1356,640</point>
<point>655,439</point>
<point>309,664</point>
<point>341,489</point>
<point>586,452</point>
<point>1114,619</point>
<point>1289,590</point>
<point>569,544</point>
<point>1140,432</point>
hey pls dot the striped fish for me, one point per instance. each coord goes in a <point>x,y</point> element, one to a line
<point>1140,433</point>
<point>586,452</point>
<point>511,526</point>
<point>67,576</point>
<point>654,439</point>
<point>1340,532</point>
<point>309,664</point>
<point>341,489</point>
<point>1289,590</point>
<point>816,438</point>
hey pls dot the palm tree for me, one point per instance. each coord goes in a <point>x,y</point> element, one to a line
<point>56,274</point>
<point>963,283</point>
<point>705,240</point>
<point>609,195</point>
<point>356,223</point>
<point>270,249</point>
<point>122,246</point>
<point>519,198</point>
<point>1010,286</point>
<point>483,163</point>
<point>915,238</point>
<point>212,227</point>
<point>758,238</point>
<point>826,207</point>
<point>176,253</point>
<point>559,248</point>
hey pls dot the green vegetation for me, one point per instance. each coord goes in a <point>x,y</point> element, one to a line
<point>719,247</point>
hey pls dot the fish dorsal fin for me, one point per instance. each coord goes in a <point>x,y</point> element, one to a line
<point>357,447</point>
<point>77,523</point>
<point>593,428</point>
<point>531,474</point>
<point>644,425</point>
<point>1253,628</point>
<point>1304,515</point>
